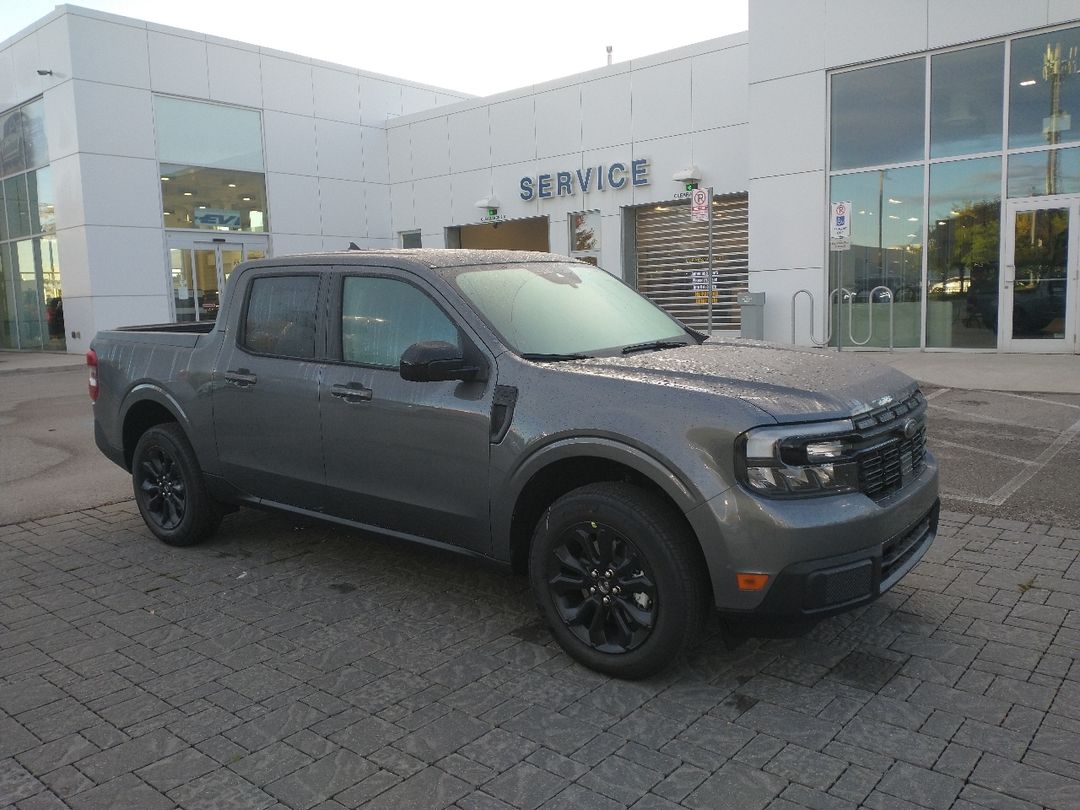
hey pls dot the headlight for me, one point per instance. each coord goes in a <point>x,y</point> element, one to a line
<point>790,461</point>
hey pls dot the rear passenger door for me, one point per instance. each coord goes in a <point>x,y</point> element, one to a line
<point>405,456</point>
<point>266,390</point>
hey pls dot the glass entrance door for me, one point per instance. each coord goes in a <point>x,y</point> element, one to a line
<point>1039,285</point>
<point>198,271</point>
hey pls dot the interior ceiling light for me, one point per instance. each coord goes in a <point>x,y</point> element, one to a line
<point>1027,83</point>
<point>893,216</point>
<point>895,201</point>
<point>912,219</point>
<point>188,193</point>
<point>163,177</point>
<point>246,199</point>
<point>232,185</point>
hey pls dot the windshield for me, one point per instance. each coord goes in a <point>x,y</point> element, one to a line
<point>558,308</point>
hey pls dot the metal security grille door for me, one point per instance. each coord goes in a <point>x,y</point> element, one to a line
<point>673,254</point>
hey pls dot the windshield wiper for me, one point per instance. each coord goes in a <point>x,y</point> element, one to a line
<point>553,358</point>
<point>652,345</point>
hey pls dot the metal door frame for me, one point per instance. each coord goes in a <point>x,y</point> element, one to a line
<point>246,243</point>
<point>1006,282</point>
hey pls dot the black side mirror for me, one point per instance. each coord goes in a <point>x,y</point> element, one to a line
<point>434,360</point>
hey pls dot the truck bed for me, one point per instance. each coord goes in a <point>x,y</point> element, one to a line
<point>161,334</point>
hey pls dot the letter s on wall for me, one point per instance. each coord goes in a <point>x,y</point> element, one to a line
<point>526,188</point>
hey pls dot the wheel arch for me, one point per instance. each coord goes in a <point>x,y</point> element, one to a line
<point>145,407</point>
<point>565,466</point>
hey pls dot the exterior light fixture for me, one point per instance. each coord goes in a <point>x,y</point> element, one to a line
<point>488,202</point>
<point>43,72</point>
<point>691,176</point>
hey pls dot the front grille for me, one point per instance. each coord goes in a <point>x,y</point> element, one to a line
<point>890,459</point>
<point>896,551</point>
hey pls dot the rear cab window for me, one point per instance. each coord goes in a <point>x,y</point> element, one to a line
<point>280,316</point>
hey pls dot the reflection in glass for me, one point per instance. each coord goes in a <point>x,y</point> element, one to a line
<point>213,199</point>
<point>51,293</point>
<point>12,154</point>
<point>1044,89</point>
<point>410,239</point>
<point>962,254</point>
<point>184,293</point>
<point>966,100</point>
<point>878,114</point>
<point>1041,259</point>
<point>208,297</point>
<point>42,201</point>
<point>195,133</point>
<point>884,262</point>
<point>35,147</point>
<point>9,325</point>
<point>17,203</point>
<point>1033,174</point>
<point>27,294</point>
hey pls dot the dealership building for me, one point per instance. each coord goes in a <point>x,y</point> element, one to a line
<point>901,175</point>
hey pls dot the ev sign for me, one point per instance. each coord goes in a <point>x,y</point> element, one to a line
<point>699,205</point>
<point>840,226</point>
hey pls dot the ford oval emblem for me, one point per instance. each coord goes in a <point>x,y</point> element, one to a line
<point>911,427</point>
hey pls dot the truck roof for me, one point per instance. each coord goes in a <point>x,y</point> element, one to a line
<point>427,257</point>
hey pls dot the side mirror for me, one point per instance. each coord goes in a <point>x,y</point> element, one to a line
<point>432,361</point>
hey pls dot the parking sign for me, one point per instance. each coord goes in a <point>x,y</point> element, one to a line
<point>699,205</point>
<point>840,225</point>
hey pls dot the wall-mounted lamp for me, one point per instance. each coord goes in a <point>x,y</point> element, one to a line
<point>488,202</point>
<point>691,176</point>
<point>44,72</point>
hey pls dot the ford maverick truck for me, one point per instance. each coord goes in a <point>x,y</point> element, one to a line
<point>533,410</point>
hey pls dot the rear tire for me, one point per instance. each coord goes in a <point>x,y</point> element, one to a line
<point>169,488</point>
<point>619,579</point>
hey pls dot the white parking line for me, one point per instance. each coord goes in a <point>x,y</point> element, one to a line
<point>938,393</point>
<point>1037,399</point>
<point>993,453</point>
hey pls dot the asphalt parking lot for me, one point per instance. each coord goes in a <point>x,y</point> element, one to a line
<point>300,666</point>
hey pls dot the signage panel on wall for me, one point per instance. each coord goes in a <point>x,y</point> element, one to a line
<point>614,176</point>
<point>216,218</point>
<point>840,225</point>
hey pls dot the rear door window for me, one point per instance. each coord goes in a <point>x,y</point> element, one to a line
<point>281,316</point>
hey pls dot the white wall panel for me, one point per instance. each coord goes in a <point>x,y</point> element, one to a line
<point>790,38</point>
<point>234,74</point>
<point>415,99</point>
<point>666,156</point>
<point>513,131</point>
<point>855,32</point>
<point>376,162</point>
<point>556,206</point>
<point>432,202</point>
<point>111,311</point>
<point>788,118</point>
<point>470,140</point>
<point>8,98</point>
<point>342,203</point>
<point>611,254</point>
<point>125,261</point>
<point>660,100</point>
<point>54,50</point>
<point>720,88</point>
<point>114,120</point>
<point>178,65</point>
<point>75,263</point>
<point>955,21</point>
<point>378,101</point>
<point>287,86</point>
<point>290,143</point>
<point>505,183</point>
<point>558,122</point>
<point>60,132</point>
<point>68,188</point>
<point>724,152</point>
<point>26,61</point>
<point>377,210</point>
<point>120,191</point>
<point>402,213</point>
<point>289,244</point>
<point>779,286</point>
<point>609,200</point>
<point>294,203</point>
<point>108,52</point>
<point>399,151</point>
<point>1060,11</point>
<point>430,147</point>
<point>341,149</point>
<point>465,189</point>
<point>605,111</point>
<point>787,221</point>
<point>337,94</point>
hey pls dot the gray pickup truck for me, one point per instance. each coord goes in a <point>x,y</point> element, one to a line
<point>534,410</point>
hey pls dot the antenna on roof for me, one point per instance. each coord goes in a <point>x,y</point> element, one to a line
<point>609,54</point>
<point>354,246</point>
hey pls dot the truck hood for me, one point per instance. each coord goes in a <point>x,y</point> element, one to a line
<point>789,383</point>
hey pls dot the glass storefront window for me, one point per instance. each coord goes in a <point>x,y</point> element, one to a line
<point>884,261</point>
<point>9,324</point>
<point>1044,89</point>
<point>17,204</point>
<point>213,199</point>
<point>35,147</point>
<point>12,154</point>
<point>962,254</point>
<point>1052,171</point>
<point>195,133</point>
<point>966,101</point>
<point>867,132</point>
<point>42,201</point>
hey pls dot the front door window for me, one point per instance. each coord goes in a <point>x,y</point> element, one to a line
<point>1039,287</point>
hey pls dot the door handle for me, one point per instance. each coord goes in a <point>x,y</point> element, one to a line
<point>241,378</point>
<point>353,393</point>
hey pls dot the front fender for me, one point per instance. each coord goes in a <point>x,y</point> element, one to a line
<point>683,493</point>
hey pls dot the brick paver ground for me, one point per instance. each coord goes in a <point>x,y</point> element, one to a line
<point>301,667</point>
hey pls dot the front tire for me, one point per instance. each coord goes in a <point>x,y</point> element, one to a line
<point>169,488</point>
<point>618,578</point>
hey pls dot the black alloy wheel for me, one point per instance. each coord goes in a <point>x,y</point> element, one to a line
<point>619,578</point>
<point>169,487</point>
<point>602,588</point>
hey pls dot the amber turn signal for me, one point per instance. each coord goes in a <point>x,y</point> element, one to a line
<point>751,582</point>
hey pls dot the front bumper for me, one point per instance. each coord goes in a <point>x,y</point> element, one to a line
<point>823,555</point>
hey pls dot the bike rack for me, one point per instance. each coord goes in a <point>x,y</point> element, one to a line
<point>837,297</point>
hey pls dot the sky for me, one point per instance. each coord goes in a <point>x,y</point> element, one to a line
<point>478,48</point>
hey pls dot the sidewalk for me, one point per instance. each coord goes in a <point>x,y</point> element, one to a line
<point>1031,373</point>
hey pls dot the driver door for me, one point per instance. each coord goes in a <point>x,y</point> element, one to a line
<point>402,456</point>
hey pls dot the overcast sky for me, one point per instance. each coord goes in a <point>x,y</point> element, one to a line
<point>479,48</point>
